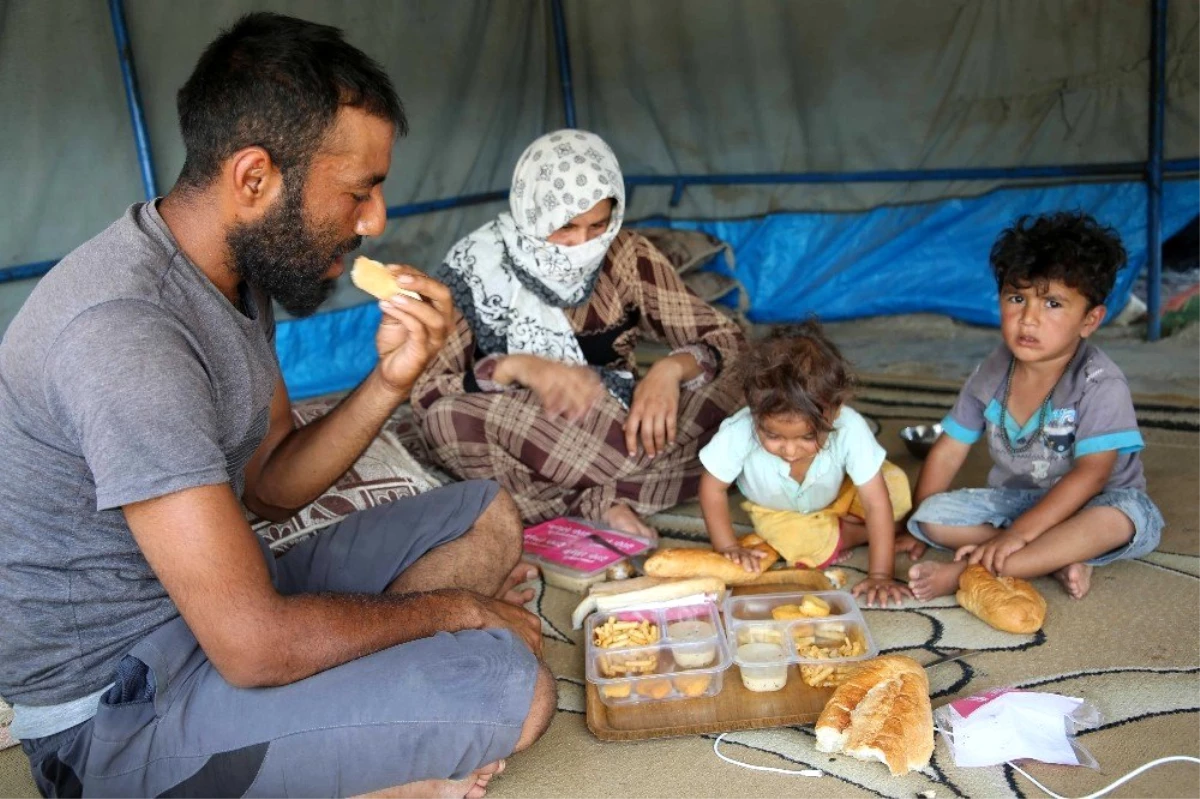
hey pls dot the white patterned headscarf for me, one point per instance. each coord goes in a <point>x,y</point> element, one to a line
<point>508,280</point>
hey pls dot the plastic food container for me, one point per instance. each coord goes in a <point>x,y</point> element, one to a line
<point>822,633</point>
<point>571,557</point>
<point>764,666</point>
<point>655,654</point>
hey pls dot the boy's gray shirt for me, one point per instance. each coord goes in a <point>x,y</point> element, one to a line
<point>1091,411</point>
<point>125,376</point>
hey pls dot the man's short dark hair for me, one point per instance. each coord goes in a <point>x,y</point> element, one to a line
<point>275,82</point>
<point>1067,246</point>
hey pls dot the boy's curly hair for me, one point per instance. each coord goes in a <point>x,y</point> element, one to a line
<point>1068,246</point>
<point>797,370</point>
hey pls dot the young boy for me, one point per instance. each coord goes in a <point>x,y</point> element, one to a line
<point>1066,491</point>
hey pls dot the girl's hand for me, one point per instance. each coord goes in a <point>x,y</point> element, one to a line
<point>881,589</point>
<point>748,559</point>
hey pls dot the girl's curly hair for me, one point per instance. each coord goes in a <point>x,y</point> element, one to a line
<point>1067,246</point>
<point>797,370</point>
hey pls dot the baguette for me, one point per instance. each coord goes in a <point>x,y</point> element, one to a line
<point>1007,603</point>
<point>709,563</point>
<point>643,591</point>
<point>881,712</point>
<point>377,280</point>
<point>808,579</point>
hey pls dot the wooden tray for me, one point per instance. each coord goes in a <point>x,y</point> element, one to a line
<point>734,708</point>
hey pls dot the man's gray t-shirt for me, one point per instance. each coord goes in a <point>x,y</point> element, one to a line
<point>1090,411</point>
<point>126,376</point>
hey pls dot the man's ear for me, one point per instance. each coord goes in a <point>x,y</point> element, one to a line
<point>254,181</point>
<point>1092,320</point>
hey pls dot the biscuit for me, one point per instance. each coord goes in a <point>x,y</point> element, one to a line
<point>377,280</point>
<point>693,684</point>
<point>654,689</point>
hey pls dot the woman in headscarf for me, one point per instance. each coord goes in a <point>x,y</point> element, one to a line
<point>536,387</point>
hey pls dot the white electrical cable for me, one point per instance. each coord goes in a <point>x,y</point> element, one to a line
<point>812,772</point>
<point>1119,782</point>
<point>808,772</point>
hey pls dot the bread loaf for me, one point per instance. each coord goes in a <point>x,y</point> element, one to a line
<point>1007,603</point>
<point>881,712</point>
<point>642,591</point>
<point>377,280</point>
<point>808,579</point>
<point>709,563</point>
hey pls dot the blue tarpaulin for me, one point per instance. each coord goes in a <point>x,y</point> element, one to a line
<point>927,257</point>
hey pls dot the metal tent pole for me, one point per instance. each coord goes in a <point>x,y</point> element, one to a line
<point>133,97</point>
<point>564,61</point>
<point>1154,168</point>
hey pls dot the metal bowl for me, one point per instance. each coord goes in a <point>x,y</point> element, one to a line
<point>920,437</point>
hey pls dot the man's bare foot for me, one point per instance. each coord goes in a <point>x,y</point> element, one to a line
<point>521,573</point>
<point>473,787</point>
<point>622,517</point>
<point>931,579</point>
<point>1076,578</point>
<point>909,544</point>
<point>479,779</point>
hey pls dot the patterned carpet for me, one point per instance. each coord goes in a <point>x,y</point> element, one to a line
<point>1132,647</point>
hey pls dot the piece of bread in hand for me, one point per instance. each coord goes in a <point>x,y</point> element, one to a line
<point>1007,603</point>
<point>377,280</point>
<point>710,563</point>
<point>881,712</point>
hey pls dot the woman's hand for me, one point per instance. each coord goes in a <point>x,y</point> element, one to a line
<point>655,409</point>
<point>566,390</point>
<point>412,331</point>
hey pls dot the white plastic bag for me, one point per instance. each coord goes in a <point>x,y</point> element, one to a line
<point>1008,724</point>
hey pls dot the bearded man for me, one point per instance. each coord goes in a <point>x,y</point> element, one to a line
<point>151,644</point>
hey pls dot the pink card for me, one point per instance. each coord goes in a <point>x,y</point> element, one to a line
<point>564,542</point>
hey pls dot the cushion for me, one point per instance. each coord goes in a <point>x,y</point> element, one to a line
<point>386,471</point>
<point>689,251</point>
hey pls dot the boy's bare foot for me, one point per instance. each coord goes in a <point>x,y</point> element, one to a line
<point>931,579</point>
<point>909,544</point>
<point>1076,578</point>
<point>622,517</point>
<point>521,573</point>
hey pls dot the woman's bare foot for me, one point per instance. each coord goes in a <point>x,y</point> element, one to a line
<point>909,544</point>
<point>521,573</point>
<point>931,579</point>
<point>621,517</point>
<point>1076,578</point>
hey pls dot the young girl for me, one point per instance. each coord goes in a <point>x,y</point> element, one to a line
<point>814,476</point>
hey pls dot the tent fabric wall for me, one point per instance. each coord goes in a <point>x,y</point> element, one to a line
<point>704,86</point>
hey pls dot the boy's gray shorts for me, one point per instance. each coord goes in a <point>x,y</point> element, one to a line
<point>1000,507</point>
<point>433,708</point>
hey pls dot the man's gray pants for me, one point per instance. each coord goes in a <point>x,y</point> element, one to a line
<point>434,708</point>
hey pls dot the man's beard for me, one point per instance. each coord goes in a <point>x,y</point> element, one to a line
<point>285,257</point>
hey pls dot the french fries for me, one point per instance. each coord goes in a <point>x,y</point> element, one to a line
<point>827,676</point>
<point>615,634</point>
